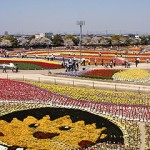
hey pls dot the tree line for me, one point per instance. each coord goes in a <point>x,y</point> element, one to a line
<point>57,40</point>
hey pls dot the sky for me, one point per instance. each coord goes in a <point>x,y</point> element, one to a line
<point>61,16</point>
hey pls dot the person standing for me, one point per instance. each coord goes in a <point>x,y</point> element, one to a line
<point>136,62</point>
<point>147,60</point>
<point>4,68</point>
<point>95,62</point>
<point>102,62</point>
<point>114,62</point>
<point>17,68</point>
<point>100,54</point>
<point>111,64</point>
<point>89,61</point>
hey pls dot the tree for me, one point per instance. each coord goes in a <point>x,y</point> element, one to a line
<point>44,41</point>
<point>76,41</point>
<point>23,42</point>
<point>148,38</point>
<point>5,43</point>
<point>68,43</point>
<point>13,41</point>
<point>134,41</point>
<point>144,40</point>
<point>94,41</point>
<point>57,40</point>
<point>71,37</point>
<point>86,41</point>
<point>116,39</point>
<point>40,42</point>
<point>105,41</point>
<point>31,37</point>
<point>128,41</point>
<point>34,42</point>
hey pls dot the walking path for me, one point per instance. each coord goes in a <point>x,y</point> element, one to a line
<point>142,131</point>
<point>44,76</point>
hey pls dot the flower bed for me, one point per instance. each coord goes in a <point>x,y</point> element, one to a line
<point>129,135</point>
<point>26,66</point>
<point>96,95</point>
<point>132,75</point>
<point>34,129</point>
<point>13,90</point>
<point>100,73</point>
<point>34,97</point>
<point>85,128</point>
<point>147,138</point>
<point>106,55</point>
<point>42,63</point>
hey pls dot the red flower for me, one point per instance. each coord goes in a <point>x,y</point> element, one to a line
<point>85,143</point>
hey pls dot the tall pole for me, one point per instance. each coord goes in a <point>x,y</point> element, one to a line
<point>48,48</point>
<point>80,23</point>
<point>80,42</point>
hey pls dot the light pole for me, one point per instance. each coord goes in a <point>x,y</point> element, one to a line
<point>48,47</point>
<point>80,23</point>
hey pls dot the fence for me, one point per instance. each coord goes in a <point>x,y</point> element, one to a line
<point>80,82</point>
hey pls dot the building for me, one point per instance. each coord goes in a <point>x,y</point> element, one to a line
<point>44,35</point>
<point>6,33</point>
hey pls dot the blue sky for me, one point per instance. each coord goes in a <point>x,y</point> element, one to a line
<point>60,16</point>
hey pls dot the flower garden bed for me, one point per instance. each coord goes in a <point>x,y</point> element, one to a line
<point>96,95</point>
<point>100,73</point>
<point>42,63</point>
<point>132,75</point>
<point>85,129</point>
<point>16,96</point>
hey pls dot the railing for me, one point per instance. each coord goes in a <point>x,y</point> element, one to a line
<point>80,82</point>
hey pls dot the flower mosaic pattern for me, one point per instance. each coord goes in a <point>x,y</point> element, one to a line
<point>16,96</point>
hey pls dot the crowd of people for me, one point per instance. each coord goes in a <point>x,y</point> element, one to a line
<point>4,53</point>
<point>50,57</point>
<point>71,65</point>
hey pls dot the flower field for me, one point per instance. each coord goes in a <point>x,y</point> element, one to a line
<point>123,109</point>
<point>96,95</point>
<point>132,75</point>
<point>42,63</point>
<point>106,55</point>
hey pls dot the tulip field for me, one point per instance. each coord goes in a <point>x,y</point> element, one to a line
<point>106,55</point>
<point>39,62</point>
<point>102,73</point>
<point>126,110</point>
<point>128,75</point>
